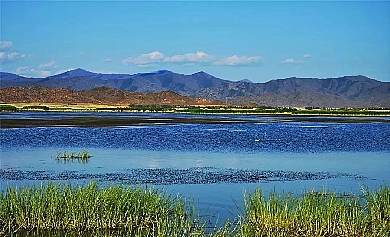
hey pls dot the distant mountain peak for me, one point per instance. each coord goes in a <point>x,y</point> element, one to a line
<point>201,73</point>
<point>163,72</point>
<point>78,72</point>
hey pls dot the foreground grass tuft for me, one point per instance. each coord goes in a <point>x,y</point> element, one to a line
<point>141,212</point>
<point>317,214</point>
<point>129,211</point>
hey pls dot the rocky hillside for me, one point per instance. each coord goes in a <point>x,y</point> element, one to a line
<point>99,95</point>
<point>348,91</point>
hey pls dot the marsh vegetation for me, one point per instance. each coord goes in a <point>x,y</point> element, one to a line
<point>317,214</point>
<point>141,212</point>
<point>151,212</point>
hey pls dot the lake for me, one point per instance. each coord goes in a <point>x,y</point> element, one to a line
<point>211,163</point>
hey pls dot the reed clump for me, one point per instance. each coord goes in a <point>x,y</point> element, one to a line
<point>317,214</point>
<point>58,207</point>
<point>66,156</point>
<point>135,211</point>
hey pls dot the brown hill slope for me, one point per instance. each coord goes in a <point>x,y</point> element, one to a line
<point>99,95</point>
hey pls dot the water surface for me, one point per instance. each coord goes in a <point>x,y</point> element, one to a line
<point>337,155</point>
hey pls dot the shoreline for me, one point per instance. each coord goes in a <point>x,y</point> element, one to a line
<point>111,121</point>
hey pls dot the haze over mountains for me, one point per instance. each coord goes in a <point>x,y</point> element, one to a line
<point>347,91</point>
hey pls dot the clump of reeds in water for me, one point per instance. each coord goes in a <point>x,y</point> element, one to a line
<point>66,156</point>
<point>317,214</point>
<point>56,207</point>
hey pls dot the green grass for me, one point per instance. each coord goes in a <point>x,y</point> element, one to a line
<point>67,156</point>
<point>317,214</point>
<point>130,211</point>
<point>141,212</point>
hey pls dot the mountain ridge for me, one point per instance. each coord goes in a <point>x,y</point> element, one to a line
<point>346,91</point>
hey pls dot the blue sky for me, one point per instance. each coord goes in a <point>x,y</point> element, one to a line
<point>257,40</point>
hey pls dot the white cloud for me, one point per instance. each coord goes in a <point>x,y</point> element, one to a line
<point>15,55</point>
<point>108,60</point>
<point>50,64</point>
<point>190,59</point>
<point>31,72</point>
<point>44,73</point>
<point>144,59</point>
<point>11,57</point>
<point>199,56</point>
<point>291,61</point>
<point>22,70</point>
<point>237,60</point>
<point>307,55</point>
<point>5,45</point>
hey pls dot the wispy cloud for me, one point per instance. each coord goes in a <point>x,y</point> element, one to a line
<point>11,57</point>
<point>291,61</point>
<point>294,61</point>
<point>15,55</point>
<point>50,64</point>
<point>144,59</point>
<point>31,72</point>
<point>199,56</point>
<point>5,45</point>
<point>44,73</point>
<point>108,60</point>
<point>238,60</point>
<point>22,70</point>
<point>191,59</point>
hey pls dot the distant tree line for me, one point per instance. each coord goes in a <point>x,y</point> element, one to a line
<point>212,110</point>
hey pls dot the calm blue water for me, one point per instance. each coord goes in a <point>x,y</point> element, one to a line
<point>269,143</point>
<point>248,138</point>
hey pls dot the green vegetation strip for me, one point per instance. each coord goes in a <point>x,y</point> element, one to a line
<point>208,110</point>
<point>149,212</point>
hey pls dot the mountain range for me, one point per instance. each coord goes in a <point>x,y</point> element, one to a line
<point>346,91</point>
